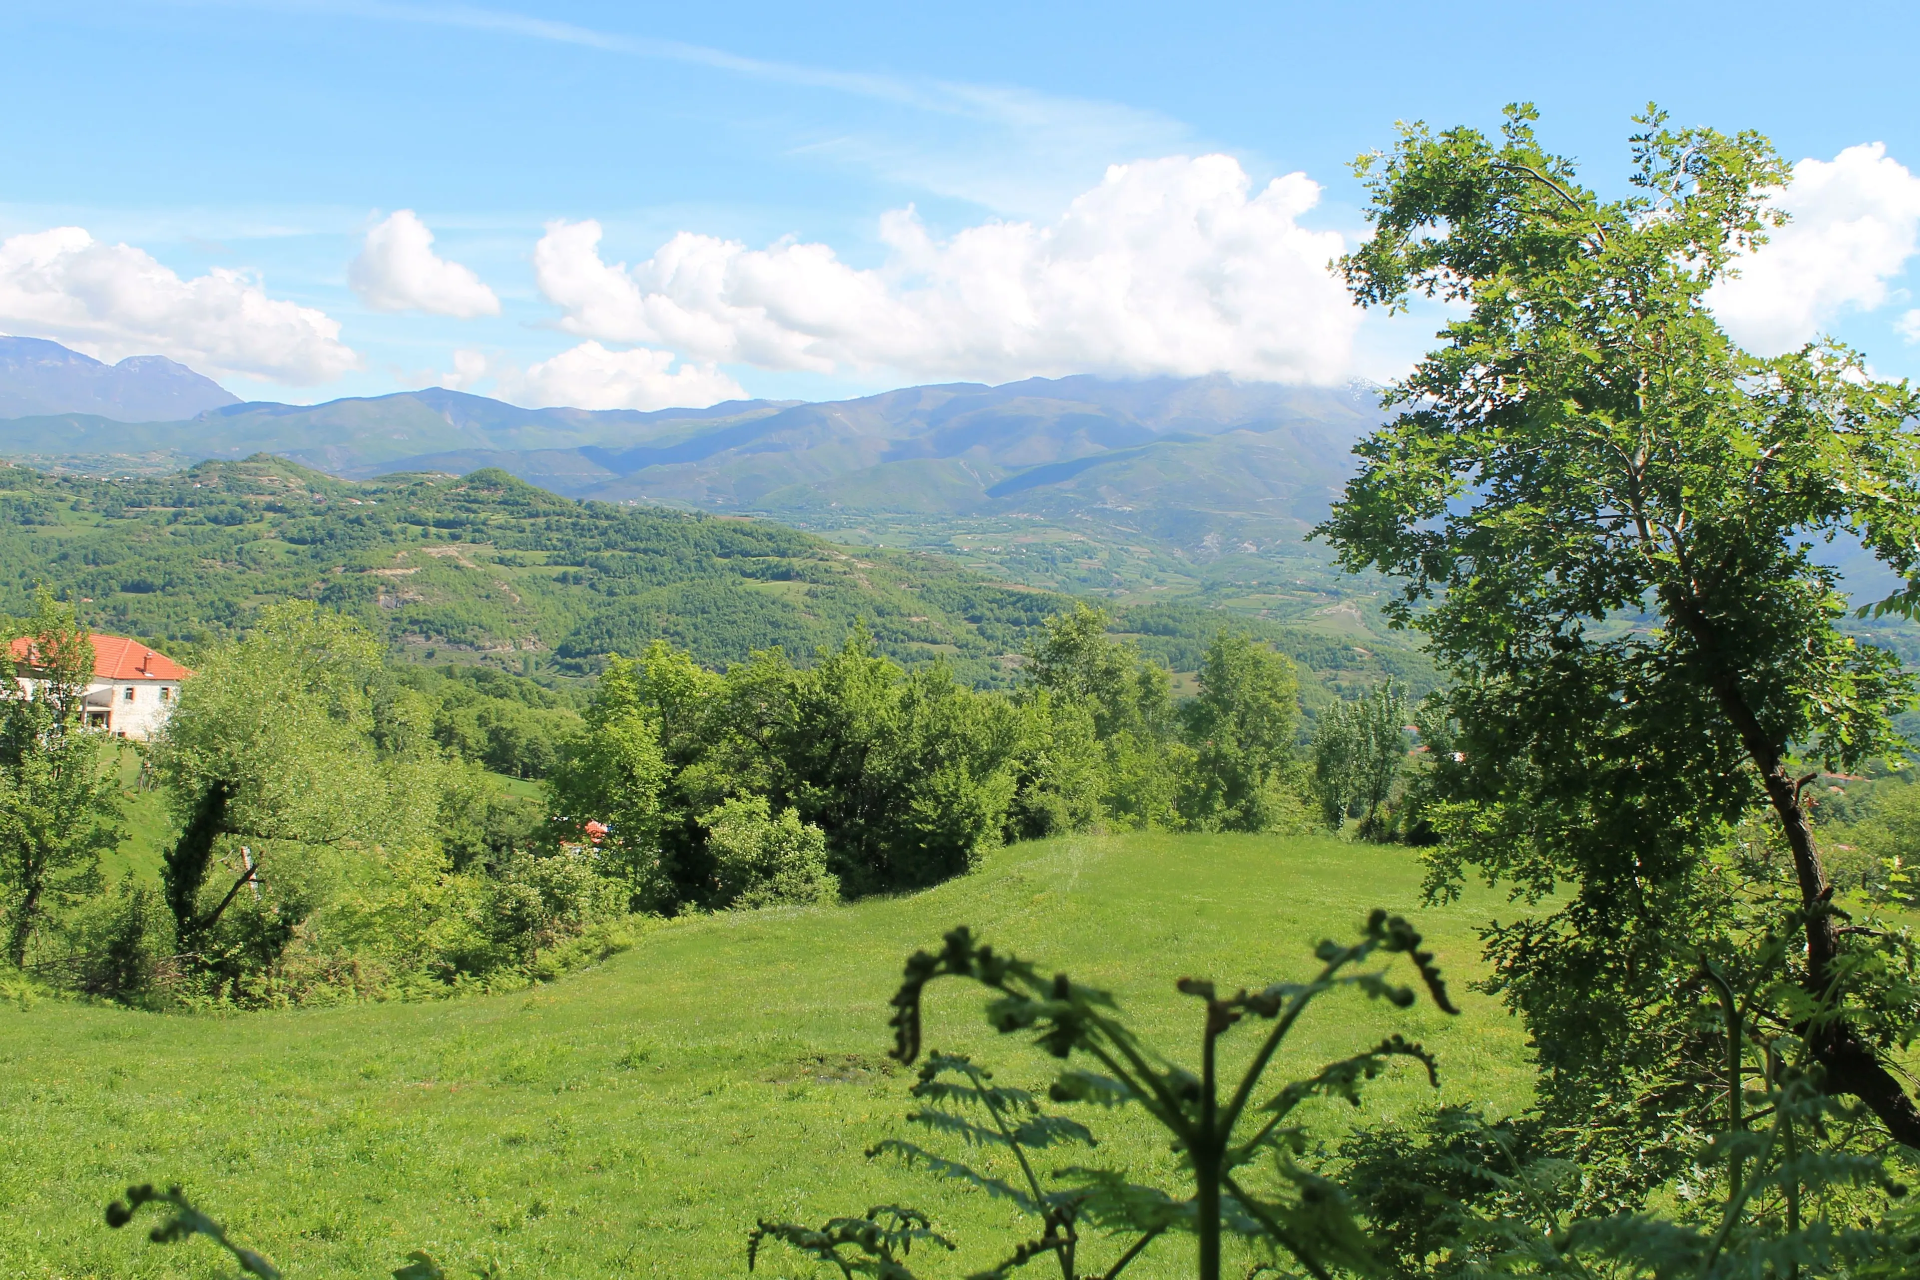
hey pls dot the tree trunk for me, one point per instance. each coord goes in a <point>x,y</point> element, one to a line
<point>1852,1065</point>
<point>23,925</point>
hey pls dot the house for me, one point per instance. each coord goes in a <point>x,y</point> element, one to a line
<point>133,688</point>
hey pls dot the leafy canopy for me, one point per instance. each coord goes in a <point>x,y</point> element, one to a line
<point>1606,517</point>
<point>59,806</point>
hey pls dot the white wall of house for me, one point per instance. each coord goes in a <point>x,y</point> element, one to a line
<point>131,708</point>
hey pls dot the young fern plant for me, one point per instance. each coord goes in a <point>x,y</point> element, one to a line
<point>964,1103</point>
<point>1237,1137</point>
<point>185,1223</point>
<point>875,1245</point>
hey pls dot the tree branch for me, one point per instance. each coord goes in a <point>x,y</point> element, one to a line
<point>213,917</point>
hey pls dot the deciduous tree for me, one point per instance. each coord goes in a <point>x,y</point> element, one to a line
<point>1606,516</point>
<point>1241,727</point>
<point>59,805</point>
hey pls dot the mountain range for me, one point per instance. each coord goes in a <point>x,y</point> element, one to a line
<point>1051,447</point>
<point>41,377</point>
<point>1080,484</point>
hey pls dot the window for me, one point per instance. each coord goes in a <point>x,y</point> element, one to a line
<point>129,693</point>
<point>166,693</point>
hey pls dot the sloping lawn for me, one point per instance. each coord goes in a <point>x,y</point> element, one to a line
<point>637,1118</point>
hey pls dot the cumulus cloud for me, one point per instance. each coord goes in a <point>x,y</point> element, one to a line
<point>1856,221</point>
<point>591,376</point>
<point>1909,326</point>
<point>113,301</point>
<point>1170,266</point>
<point>397,270</point>
<point>470,368</point>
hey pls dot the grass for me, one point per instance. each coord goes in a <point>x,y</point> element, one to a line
<point>636,1118</point>
<point>143,814</point>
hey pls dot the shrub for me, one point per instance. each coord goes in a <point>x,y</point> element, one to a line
<point>119,941</point>
<point>760,860</point>
<point>539,902</point>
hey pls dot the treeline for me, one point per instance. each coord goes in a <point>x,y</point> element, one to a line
<point>340,830</point>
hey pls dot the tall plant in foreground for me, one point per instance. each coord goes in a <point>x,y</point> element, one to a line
<point>1590,442</point>
<point>1237,1135</point>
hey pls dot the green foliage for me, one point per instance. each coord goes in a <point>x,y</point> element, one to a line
<point>963,1103</point>
<point>289,762</point>
<point>327,846</point>
<point>1061,769</point>
<point>487,567</point>
<point>118,941</point>
<point>1359,753</point>
<point>538,902</point>
<point>1241,728</point>
<point>1086,672</point>
<point>1455,1195</point>
<point>1882,848</point>
<point>612,774</point>
<point>506,723</point>
<point>1289,1209</point>
<point>906,775</point>
<point>909,774</point>
<point>884,1237</point>
<point>1587,447</point>
<point>1224,761</point>
<point>1177,634</point>
<point>479,824</point>
<point>59,807</point>
<point>759,860</point>
<point>1079,661</point>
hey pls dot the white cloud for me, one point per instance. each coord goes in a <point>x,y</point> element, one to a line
<point>1856,221</point>
<point>469,369</point>
<point>397,270</point>
<point>590,376</point>
<point>1169,266</point>
<point>113,301</point>
<point>1908,326</point>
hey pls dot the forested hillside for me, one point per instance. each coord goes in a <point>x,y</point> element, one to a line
<point>481,566</point>
<point>487,568</point>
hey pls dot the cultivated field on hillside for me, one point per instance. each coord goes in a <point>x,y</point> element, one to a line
<point>635,1119</point>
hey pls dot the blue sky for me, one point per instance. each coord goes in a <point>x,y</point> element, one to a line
<point>262,143</point>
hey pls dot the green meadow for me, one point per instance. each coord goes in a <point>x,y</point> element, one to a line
<point>635,1118</point>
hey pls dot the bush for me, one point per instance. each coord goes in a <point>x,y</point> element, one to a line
<point>1058,768</point>
<point>540,902</point>
<point>1879,854</point>
<point>760,860</point>
<point>119,942</point>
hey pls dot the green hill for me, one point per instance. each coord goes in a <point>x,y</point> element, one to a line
<point>484,566</point>
<point>488,568</point>
<point>637,1118</point>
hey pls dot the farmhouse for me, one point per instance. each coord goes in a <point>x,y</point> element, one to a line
<point>133,688</point>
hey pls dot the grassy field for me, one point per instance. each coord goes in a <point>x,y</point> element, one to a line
<point>636,1118</point>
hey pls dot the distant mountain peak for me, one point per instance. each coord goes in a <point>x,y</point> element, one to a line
<point>39,378</point>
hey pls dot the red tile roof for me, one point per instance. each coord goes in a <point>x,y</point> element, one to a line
<point>119,658</point>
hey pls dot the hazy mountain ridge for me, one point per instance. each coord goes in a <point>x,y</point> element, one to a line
<point>957,448</point>
<point>38,377</point>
